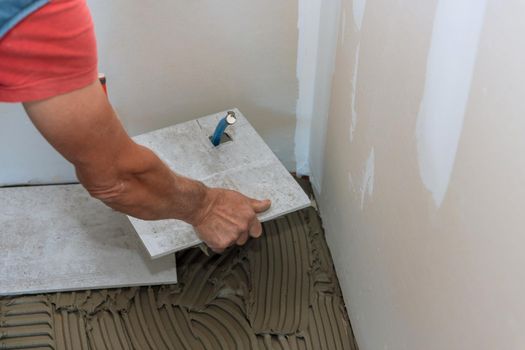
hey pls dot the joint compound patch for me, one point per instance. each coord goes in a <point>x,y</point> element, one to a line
<point>367,186</point>
<point>450,65</point>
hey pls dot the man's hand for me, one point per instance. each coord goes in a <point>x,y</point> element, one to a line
<point>227,218</point>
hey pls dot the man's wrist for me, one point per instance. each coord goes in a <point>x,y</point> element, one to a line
<point>198,200</point>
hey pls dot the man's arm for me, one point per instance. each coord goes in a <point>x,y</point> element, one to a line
<point>130,178</point>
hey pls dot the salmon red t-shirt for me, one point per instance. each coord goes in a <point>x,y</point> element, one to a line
<point>51,52</point>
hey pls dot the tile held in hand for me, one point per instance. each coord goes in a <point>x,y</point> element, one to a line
<point>245,164</point>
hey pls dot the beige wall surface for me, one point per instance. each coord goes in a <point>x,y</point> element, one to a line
<point>171,61</point>
<point>421,187</point>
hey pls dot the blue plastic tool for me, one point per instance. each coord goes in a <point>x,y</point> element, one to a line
<point>228,120</point>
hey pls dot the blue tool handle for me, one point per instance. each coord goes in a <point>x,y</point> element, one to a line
<point>219,130</point>
<point>230,119</point>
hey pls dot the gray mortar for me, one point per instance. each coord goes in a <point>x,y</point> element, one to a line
<point>277,292</point>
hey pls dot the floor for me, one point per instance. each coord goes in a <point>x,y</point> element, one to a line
<point>277,292</point>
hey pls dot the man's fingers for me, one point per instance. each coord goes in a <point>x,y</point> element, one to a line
<point>242,239</point>
<point>234,222</point>
<point>256,229</point>
<point>260,206</point>
<point>217,250</point>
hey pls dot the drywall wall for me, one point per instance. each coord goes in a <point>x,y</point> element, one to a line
<point>171,61</point>
<point>318,27</point>
<point>422,176</point>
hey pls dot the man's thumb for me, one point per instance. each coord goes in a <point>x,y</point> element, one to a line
<point>260,206</point>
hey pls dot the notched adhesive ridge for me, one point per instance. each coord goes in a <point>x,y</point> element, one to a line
<point>277,292</point>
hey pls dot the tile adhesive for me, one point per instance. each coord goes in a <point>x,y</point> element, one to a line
<point>277,292</point>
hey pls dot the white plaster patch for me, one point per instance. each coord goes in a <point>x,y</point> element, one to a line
<point>450,65</point>
<point>359,12</point>
<point>354,93</point>
<point>307,51</point>
<point>318,28</point>
<point>351,185</point>
<point>367,185</point>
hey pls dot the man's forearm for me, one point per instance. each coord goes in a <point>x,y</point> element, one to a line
<point>130,178</point>
<point>141,185</point>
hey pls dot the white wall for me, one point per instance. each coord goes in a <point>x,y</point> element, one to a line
<point>318,28</point>
<point>171,61</point>
<point>421,186</point>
